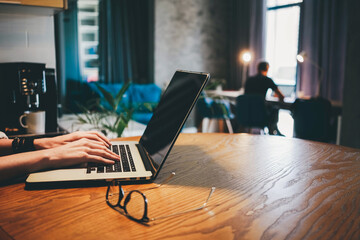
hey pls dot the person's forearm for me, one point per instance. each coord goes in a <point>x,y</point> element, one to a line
<point>42,143</point>
<point>39,144</point>
<point>20,164</point>
<point>6,147</point>
<point>279,94</point>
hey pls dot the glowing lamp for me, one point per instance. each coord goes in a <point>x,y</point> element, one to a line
<point>246,57</point>
<point>301,57</point>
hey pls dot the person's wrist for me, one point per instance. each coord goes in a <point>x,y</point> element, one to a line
<point>23,144</point>
<point>42,143</point>
<point>42,160</point>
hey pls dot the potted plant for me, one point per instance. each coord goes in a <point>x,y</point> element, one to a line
<point>112,118</point>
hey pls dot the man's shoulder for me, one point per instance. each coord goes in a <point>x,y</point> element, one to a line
<point>254,77</point>
<point>262,81</point>
<point>269,79</point>
<point>259,77</point>
<point>264,78</point>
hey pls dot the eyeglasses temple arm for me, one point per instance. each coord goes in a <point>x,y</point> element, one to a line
<point>172,174</point>
<point>191,210</point>
<point>211,192</point>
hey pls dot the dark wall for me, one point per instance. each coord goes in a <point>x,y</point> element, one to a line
<point>350,128</point>
<point>191,35</point>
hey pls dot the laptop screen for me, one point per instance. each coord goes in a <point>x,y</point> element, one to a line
<point>170,115</point>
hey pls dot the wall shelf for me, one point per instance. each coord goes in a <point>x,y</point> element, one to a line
<point>88,25</point>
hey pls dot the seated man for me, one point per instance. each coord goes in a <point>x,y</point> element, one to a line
<point>258,85</point>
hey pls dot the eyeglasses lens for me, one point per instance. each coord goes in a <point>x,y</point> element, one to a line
<point>135,207</point>
<point>113,195</point>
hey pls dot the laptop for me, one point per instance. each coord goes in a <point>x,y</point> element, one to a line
<point>141,161</point>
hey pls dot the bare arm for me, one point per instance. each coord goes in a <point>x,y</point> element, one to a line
<point>5,147</point>
<point>77,152</point>
<point>279,94</point>
<point>46,143</point>
<point>56,152</point>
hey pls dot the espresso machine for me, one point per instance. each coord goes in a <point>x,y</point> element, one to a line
<point>26,86</point>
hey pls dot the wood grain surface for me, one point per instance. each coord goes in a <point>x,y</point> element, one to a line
<point>267,187</point>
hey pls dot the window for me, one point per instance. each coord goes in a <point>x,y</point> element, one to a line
<point>88,25</point>
<point>282,34</point>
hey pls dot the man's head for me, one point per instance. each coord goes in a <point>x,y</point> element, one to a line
<point>263,68</point>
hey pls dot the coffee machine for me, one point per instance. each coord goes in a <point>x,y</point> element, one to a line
<point>26,86</point>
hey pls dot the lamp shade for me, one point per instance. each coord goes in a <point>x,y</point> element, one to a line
<point>301,56</point>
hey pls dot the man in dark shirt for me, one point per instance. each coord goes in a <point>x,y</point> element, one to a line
<point>258,85</point>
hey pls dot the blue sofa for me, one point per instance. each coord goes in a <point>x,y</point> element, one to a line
<point>137,96</point>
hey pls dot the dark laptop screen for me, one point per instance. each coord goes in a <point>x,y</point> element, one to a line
<point>170,115</point>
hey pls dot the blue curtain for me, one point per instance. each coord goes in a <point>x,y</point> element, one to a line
<point>126,41</point>
<point>323,31</point>
<point>67,56</point>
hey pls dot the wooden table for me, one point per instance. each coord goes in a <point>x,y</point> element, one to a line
<point>267,187</point>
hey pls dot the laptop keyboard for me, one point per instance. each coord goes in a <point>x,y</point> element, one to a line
<point>126,163</point>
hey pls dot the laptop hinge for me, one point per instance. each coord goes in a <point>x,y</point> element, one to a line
<point>143,155</point>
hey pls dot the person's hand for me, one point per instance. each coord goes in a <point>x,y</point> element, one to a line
<point>80,151</point>
<point>45,143</point>
<point>281,98</point>
<point>68,152</point>
<point>279,94</point>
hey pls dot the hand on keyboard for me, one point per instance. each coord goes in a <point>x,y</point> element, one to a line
<point>126,163</point>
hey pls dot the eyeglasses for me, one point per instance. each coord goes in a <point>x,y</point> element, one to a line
<point>135,205</point>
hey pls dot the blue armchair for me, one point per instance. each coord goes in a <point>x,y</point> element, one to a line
<point>139,96</point>
<point>142,97</point>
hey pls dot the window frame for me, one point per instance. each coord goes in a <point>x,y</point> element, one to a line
<point>284,6</point>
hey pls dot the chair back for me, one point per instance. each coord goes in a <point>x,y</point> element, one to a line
<point>214,108</point>
<point>312,119</point>
<point>251,111</point>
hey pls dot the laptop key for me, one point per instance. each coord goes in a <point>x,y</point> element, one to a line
<point>109,168</point>
<point>131,160</point>
<point>90,167</point>
<point>124,159</point>
<point>100,169</point>
<point>115,149</point>
<point>127,162</point>
<point>117,167</point>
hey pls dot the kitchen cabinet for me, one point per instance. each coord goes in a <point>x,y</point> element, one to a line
<point>32,7</point>
<point>39,3</point>
<point>46,3</point>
